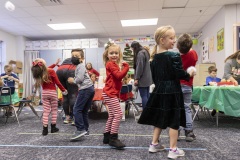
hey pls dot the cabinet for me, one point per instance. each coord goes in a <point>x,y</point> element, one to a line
<point>202,73</point>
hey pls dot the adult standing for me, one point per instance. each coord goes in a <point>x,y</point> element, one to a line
<point>142,75</point>
<point>64,71</point>
<point>232,68</point>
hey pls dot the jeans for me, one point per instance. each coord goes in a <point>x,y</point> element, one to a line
<point>144,93</point>
<point>187,96</point>
<point>81,107</point>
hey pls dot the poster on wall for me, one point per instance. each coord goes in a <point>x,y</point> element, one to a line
<point>211,45</point>
<point>205,57</point>
<point>220,40</point>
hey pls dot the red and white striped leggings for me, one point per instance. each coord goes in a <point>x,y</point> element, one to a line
<point>50,105</point>
<point>114,114</point>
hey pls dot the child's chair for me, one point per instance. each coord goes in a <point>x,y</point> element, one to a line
<point>6,101</point>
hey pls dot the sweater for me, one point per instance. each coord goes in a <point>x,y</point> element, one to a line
<point>188,60</point>
<point>54,81</point>
<point>114,78</point>
<point>82,78</point>
<point>143,71</point>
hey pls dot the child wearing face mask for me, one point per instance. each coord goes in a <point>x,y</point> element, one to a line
<point>116,70</point>
<point>84,97</point>
<point>47,79</point>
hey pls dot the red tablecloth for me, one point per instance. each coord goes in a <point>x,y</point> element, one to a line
<point>98,95</point>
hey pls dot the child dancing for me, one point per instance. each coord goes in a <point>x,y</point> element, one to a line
<point>115,70</point>
<point>47,78</point>
<point>165,106</point>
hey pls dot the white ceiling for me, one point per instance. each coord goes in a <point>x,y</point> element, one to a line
<point>102,17</point>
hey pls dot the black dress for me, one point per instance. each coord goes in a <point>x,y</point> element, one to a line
<point>165,106</point>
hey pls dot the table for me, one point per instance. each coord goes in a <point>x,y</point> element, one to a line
<point>221,98</point>
<point>98,95</point>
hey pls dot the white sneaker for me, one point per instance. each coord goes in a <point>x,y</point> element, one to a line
<point>173,154</point>
<point>156,148</point>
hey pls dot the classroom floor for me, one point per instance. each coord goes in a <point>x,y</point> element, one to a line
<point>25,142</point>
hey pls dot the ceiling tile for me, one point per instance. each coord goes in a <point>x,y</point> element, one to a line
<point>29,21</point>
<point>199,3</point>
<point>149,14</point>
<point>103,7</point>
<point>107,16</point>
<point>191,19</point>
<point>171,12</point>
<point>25,3</point>
<point>174,3</point>
<point>128,15</point>
<point>150,4</point>
<point>111,24</point>
<point>193,11</point>
<point>37,11</point>
<point>127,5</point>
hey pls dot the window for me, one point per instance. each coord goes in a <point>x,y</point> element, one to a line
<point>1,58</point>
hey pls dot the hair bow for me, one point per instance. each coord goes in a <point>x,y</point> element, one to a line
<point>37,63</point>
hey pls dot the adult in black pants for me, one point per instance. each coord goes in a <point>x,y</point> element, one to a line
<point>64,71</point>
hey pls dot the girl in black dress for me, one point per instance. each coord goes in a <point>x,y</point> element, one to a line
<point>165,106</point>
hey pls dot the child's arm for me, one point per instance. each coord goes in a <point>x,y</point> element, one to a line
<point>115,70</point>
<point>79,74</point>
<point>177,64</point>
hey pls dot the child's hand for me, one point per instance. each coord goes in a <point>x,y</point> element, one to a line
<point>124,63</point>
<point>10,77</point>
<point>57,62</point>
<point>65,93</point>
<point>70,80</point>
<point>6,76</point>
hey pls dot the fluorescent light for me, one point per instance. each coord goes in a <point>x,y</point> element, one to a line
<point>66,26</point>
<point>139,22</point>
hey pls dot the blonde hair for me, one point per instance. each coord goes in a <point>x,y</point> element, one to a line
<point>159,33</point>
<point>40,73</point>
<point>105,54</point>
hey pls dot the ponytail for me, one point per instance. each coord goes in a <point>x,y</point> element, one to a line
<point>154,51</point>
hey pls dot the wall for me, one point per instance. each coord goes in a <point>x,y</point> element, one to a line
<point>9,46</point>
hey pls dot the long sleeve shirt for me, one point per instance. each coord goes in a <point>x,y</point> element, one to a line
<point>82,78</point>
<point>114,78</point>
<point>54,81</point>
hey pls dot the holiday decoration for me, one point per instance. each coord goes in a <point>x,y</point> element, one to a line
<point>128,55</point>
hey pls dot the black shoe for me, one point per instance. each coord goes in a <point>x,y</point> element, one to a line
<point>213,112</point>
<point>190,136</point>
<point>54,128</point>
<point>45,131</point>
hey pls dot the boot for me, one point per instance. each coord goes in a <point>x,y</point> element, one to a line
<point>45,131</point>
<point>190,136</point>
<point>115,142</point>
<point>106,137</point>
<point>54,128</point>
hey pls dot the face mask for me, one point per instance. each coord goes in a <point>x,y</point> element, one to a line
<point>75,60</point>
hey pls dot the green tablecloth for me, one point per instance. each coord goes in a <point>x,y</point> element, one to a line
<point>15,98</point>
<point>222,98</point>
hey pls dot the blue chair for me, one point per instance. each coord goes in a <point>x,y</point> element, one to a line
<point>6,101</point>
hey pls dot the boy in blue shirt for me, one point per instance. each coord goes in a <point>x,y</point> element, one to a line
<point>212,79</point>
